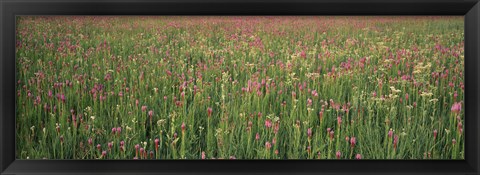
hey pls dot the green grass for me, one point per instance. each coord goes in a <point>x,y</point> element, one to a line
<point>252,72</point>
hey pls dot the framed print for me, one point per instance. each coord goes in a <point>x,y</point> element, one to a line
<point>305,87</point>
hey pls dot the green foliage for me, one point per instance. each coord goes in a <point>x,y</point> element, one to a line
<point>272,76</point>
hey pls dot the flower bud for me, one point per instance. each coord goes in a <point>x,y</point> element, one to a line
<point>268,145</point>
<point>338,154</point>
<point>157,141</point>
<point>209,110</point>
<point>183,127</point>
<point>309,132</point>
<point>353,142</point>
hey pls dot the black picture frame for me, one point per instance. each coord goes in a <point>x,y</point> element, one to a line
<point>470,9</point>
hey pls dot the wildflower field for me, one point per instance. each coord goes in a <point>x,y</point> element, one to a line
<point>240,87</point>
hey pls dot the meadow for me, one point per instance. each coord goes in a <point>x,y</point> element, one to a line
<point>240,87</point>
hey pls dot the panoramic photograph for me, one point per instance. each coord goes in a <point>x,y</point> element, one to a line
<point>240,87</point>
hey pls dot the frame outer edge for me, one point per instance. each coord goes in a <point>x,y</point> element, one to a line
<point>477,7</point>
<point>7,123</point>
<point>472,38</point>
<point>2,151</point>
<point>477,54</point>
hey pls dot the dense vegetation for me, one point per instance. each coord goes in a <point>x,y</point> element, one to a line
<point>240,87</point>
